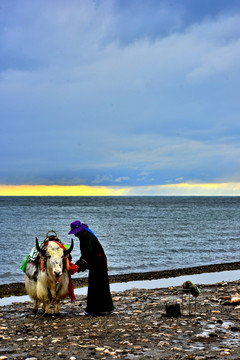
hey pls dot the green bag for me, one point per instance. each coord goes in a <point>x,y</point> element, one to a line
<point>23,267</point>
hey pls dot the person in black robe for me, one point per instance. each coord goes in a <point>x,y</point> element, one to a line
<point>99,299</point>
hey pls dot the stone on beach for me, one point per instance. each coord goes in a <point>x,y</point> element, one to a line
<point>137,329</point>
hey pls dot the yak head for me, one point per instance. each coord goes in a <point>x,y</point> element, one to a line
<point>54,256</point>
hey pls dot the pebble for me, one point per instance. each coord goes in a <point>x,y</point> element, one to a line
<point>225,352</point>
<point>138,328</point>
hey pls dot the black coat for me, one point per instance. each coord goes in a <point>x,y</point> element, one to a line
<point>99,298</point>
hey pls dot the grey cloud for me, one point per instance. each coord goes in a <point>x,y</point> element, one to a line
<point>156,19</point>
<point>36,36</point>
<point>119,92</point>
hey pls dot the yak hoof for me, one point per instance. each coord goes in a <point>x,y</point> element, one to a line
<point>47,314</point>
<point>57,314</point>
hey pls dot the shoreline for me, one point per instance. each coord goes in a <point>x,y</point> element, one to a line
<point>18,289</point>
<point>138,328</point>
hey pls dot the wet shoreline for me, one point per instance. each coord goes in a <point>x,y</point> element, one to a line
<point>17,289</point>
<point>138,328</point>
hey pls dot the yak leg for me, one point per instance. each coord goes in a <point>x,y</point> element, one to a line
<point>43,293</point>
<point>35,306</point>
<point>46,306</point>
<point>56,307</point>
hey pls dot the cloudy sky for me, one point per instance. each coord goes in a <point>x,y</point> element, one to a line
<point>136,95</point>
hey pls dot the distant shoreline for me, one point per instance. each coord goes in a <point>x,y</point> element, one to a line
<point>18,289</point>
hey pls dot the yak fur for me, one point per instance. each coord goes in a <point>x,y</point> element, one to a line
<point>51,285</point>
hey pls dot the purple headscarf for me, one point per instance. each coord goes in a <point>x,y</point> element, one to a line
<point>77,226</point>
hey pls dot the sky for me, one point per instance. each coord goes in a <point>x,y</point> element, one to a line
<point>120,97</point>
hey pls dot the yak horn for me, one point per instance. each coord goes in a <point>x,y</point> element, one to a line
<point>41,251</point>
<point>67,252</point>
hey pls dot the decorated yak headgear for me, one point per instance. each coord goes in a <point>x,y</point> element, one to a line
<point>77,226</point>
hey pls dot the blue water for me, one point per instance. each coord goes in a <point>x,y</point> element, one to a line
<point>137,233</point>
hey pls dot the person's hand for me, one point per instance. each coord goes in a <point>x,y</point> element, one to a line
<point>82,265</point>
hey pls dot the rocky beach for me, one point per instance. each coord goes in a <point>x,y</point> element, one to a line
<point>208,326</point>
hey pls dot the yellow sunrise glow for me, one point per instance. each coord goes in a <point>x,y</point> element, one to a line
<point>187,189</point>
<point>55,190</point>
<point>182,189</point>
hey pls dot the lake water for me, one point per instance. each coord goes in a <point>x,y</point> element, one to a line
<point>138,234</point>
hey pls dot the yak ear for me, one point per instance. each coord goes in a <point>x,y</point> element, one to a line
<point>67,252</point>
<point>41,251</point>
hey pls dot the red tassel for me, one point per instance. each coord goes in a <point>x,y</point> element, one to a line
<point>42,265</point>
<point>67,264</point>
